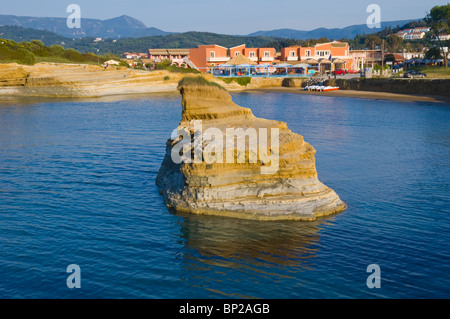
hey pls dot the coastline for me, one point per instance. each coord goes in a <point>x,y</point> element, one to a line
<point>360,94</point>
<point>56,80</point>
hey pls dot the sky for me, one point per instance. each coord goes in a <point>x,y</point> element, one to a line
<point>229,16</point>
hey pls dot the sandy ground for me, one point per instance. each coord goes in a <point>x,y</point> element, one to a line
<point>361,94</point>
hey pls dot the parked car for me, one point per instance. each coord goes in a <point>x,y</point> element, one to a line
<point>339,72</point>
<point>414,74</point>
<point>353,71</point>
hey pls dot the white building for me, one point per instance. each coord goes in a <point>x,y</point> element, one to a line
<point>414,35</point>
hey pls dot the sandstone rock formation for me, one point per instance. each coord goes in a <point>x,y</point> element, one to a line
<point>281,184</point>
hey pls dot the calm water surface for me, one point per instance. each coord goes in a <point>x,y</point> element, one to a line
<point>77,186</point>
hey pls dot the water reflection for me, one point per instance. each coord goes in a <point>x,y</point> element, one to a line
<point>252,255</point>
<point>284,243</point>
<point>18,100</point>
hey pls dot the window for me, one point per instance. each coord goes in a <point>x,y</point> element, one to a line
<point>308,53</point>
<point>323,53</point>
<point>252,54</point>
<point>267,54</point>
<point>292,53</point>
<point>237,53</point>
<point>213,54</point>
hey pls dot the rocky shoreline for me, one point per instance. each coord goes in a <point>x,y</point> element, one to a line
<point>83,80</point>
<point>91,81</point>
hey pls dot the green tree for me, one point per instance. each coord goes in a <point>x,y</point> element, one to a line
<point>439,21</point>
<point>372,41</point>
<point>433,53</point>
<point>56,50</point>
<point>394,43</point>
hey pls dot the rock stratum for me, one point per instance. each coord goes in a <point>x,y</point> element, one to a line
<point>83,80</point>
<point>282,184</point>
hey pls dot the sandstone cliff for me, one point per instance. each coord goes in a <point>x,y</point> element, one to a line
<point>281,183</point>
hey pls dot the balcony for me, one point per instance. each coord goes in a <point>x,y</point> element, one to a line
<point>269,59</point>
<point>218,59</point>
<point>253,58</point>
<point>292,58</point>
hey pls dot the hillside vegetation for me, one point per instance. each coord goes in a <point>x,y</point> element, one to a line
<point>35,51</point>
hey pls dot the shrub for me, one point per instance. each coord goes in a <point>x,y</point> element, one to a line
<point>20,55</point>
<point>198,80</point>
<point>26,57</point>
<point>241,81</point>
<point>56,50</point>
<point>123,63</point>
<point>166,78</point>
<point>288,82</point>
<point>73,55</point>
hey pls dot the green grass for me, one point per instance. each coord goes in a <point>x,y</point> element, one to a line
<point>434,72</point>
<point>35,51</point>
<point>241,81</point>
<point>199,81</point>
<point>57,59</point>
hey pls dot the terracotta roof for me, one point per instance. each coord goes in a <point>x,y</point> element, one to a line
<point>158,52</point>
<point>178,51</point>
<point>310,60</point>
<point>338,45</point>
<point>168,51</point>
<point>240,59</point>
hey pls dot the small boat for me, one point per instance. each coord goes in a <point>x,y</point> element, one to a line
<point>321,88</point>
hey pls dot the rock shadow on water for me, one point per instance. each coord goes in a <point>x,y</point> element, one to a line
<point>236,241</point>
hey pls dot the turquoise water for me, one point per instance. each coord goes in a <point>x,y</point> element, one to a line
<point>77,186</point>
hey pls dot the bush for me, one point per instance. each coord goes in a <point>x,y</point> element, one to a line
<point>288,82</point>
<point>73,55</point>
<point>123,63</point>
<point>198,80</point>
<point>166,78</point>
<point>241,81</point>
<point>20,56</point>
<point>26,57</point>
<point>167,65</point>
<point>56,50</point>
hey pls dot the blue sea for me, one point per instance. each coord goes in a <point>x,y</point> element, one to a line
<point>77,186</point>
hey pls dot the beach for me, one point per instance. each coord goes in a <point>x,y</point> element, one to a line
<point>361,94</point>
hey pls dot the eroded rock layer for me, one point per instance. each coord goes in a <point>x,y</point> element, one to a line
<point>282,186</point>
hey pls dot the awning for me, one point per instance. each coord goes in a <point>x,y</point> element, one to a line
<point>310,61</point>
<point>283,65</point>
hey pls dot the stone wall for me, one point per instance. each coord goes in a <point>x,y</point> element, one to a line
<point>405,86</point>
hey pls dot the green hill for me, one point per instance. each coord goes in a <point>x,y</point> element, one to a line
<point>35,51</point>
<point>177,40</point>
<point>20,34</point>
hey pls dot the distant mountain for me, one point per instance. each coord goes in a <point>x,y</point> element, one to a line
<point>120,27</point>
<point>175,40</point>
<point>336,33</point>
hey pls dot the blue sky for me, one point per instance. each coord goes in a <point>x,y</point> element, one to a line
<point>229,16</point>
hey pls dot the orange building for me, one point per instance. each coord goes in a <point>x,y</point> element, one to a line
<point>321,52</point>
<point>206,56</point>
<point>258,55</point>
